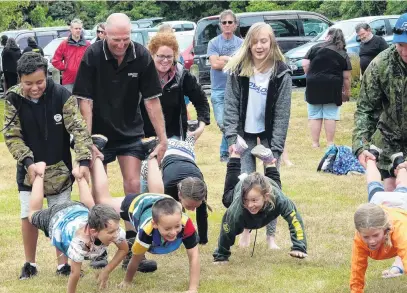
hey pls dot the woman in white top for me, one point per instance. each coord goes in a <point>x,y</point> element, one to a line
<point>257,102</point>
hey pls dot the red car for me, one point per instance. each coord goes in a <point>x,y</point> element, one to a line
<point>185,47</point>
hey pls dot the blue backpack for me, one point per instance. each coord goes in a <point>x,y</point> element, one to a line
<point>340,160</point>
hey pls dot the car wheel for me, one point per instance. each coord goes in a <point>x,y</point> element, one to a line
<point>300,82</point>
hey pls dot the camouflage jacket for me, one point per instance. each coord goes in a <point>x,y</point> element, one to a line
<point>381,114</point>
<point>40,131</point>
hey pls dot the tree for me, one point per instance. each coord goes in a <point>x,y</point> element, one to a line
<point>330,9</point>
<point>62,10</point>
<point>396,7</point>
<point>11,16</point>
<point>238,6</point>
<point>352,9</point>
<point>262,6</point>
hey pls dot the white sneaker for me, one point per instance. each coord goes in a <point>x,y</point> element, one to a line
<point>241,145</point>
<point>263,153</point>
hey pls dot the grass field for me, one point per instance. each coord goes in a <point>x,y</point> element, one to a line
<point>326,203</point>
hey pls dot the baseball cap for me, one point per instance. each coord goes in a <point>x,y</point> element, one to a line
<point>400,30</point>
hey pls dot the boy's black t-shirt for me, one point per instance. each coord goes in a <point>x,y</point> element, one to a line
<point>116,90</point>
<point>325,75</point>
<point>369,50</point>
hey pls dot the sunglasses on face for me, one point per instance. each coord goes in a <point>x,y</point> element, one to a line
<point>100,32</point>
<point>399,31</point>
<point>227,22</point>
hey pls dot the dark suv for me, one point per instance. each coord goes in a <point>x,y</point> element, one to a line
<point>292,29</point>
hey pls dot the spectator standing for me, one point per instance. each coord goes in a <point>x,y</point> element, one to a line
<point>220,49</point>
<point>9,57</point>
<point>68,55</point>
<point>32,46</point>
<point>100,32</point>
<point>328,70</point>
<point>114,76</point>
<point>381,107</point>
<point>370,45</point>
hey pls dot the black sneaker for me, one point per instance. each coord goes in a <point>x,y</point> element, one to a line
<point>145,266</point>
<point>149,144</point>
<point>396,160</point>
<point>28,271</point>
<point>375,151</point>
<point>99,141</point>
<point>64,271</point>
<point>193,125</point>
<point>99,262</point>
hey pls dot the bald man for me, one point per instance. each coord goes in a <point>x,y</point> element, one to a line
<point>114,76</point>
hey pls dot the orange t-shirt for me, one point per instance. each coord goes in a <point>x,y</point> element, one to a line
<point>361,252</point>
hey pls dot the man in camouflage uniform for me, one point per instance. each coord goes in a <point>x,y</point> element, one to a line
<point>40,116</point>
<point>381,115</point>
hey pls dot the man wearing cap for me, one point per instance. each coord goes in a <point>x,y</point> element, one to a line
<point>381,114</point>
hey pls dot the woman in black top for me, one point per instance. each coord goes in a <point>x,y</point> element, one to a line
<point>9,57</point>
<point>327,66</point>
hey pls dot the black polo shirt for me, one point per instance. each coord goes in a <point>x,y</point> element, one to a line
<point>116,91</point>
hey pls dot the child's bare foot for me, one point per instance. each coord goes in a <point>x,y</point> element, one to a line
<point>244,239</point>
<point>272,242</point>
<point>315,145</point>
<point>393,272</point>
<point>288,163</point>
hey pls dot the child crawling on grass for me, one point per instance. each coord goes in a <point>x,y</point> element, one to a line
<point>80,229</point>
<point>381,225</point>
<point>255,201</point>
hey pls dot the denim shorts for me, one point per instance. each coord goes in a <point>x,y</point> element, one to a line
<point>134,149</point>
<point>324,111</point>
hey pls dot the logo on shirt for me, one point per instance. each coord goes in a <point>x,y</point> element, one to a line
<point>58,118</point>
<point>226,227</point>
<point>132,74</point>
<point>257,88</point>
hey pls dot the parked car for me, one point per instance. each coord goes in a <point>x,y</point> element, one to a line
<point>292,29</point>
<point>42,35</point>
<point>148,22</point>
<point>180,26</point>
<point>381,25</point>
<point>49,51</point>
<point>185,44</point>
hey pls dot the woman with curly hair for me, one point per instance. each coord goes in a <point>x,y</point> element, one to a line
<point>176,82</point>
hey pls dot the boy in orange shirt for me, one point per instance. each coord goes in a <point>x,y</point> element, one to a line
<point>380,224</point>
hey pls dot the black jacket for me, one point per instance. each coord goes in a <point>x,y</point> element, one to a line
<point>9,58</point>
<point>40,132</point>
<point>33,47</point>
<point>183,83</point>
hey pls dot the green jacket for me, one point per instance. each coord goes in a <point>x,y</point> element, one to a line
<point>41,132</point>
<point>237,218</point>
<point>381,114</point>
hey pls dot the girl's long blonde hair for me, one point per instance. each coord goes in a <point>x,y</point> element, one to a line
<point>243,61</point>
<point>371,216</point>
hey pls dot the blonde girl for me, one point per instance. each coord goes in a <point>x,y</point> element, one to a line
<point>258,101</point>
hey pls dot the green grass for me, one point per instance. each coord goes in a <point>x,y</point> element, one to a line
<point>1,118</point>
<point>326,203</point>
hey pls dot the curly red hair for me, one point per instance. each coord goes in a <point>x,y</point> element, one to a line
<point>163,39</point>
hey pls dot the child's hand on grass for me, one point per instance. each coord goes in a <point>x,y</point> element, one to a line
<point>102,279</point>
<point>124,285</point>
<point>298,254</point>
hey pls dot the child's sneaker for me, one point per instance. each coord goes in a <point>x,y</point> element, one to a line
<point>375,151</point>
<point>240,145</point>
<point>396,160</point>
<point>193,125</point>
<point>28,271</point>
<point>65,270</point>
<point>263,153</point>
<point>149,144</point>
<point>99,141</point>
<point>99,262</point>
<point>145,266</point>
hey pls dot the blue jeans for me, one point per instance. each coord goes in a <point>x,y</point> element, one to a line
<point>218,104</point>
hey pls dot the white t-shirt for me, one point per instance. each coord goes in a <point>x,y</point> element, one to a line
<point>256,104</point>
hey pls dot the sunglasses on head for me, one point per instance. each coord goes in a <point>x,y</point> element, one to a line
<point>399,31</point>
<point>100,32</point>
<point>227,22</point>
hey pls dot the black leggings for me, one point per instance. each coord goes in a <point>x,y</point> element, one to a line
<point>10,78</point>
<point>232,178</point>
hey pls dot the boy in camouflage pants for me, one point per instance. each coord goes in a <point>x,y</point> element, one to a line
<point>39,118</point>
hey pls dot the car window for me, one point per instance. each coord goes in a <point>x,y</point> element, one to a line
<point>137,37</point>
<point>392,22</point>
<point>284,27</point>
<point>22,40</point>
<point>348,29</point>
<point>44,40</point>
<point>184,41</point>
<point>378,27</point>
<point>313,27</point>
<point>207,30</point>
<point>188,27</point>
<point>177,27</point>
<point>246,22</point>
<point>49,50</point>
<point>62,34</point>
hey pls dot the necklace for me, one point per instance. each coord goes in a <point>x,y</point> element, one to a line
<point>162,80</point>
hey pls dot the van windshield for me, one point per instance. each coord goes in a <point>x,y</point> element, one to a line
<point>347,27</point>
<point>206,30</point>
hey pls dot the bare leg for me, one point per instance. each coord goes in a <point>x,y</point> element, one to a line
<point>315,126</point>
<point>30,237</point>
<point>372,172</point>
<point>154,177</point>
<point>130,167</point>
<point>285,158</point>
<point>401,179</point>
<point>330,127</point>
<point>271,242</point>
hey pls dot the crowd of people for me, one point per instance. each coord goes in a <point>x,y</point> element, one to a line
<point>121,100</point>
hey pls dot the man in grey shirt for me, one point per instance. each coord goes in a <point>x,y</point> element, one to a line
<point>220,49</point>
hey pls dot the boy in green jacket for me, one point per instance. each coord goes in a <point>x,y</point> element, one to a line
<point>255,201</point>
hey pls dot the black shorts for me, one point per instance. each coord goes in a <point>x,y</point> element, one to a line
<point>133,149</point>
<point>124,208</point>
<point>42,219</point>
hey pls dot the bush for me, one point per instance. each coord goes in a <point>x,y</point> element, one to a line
<point>355,81</point>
